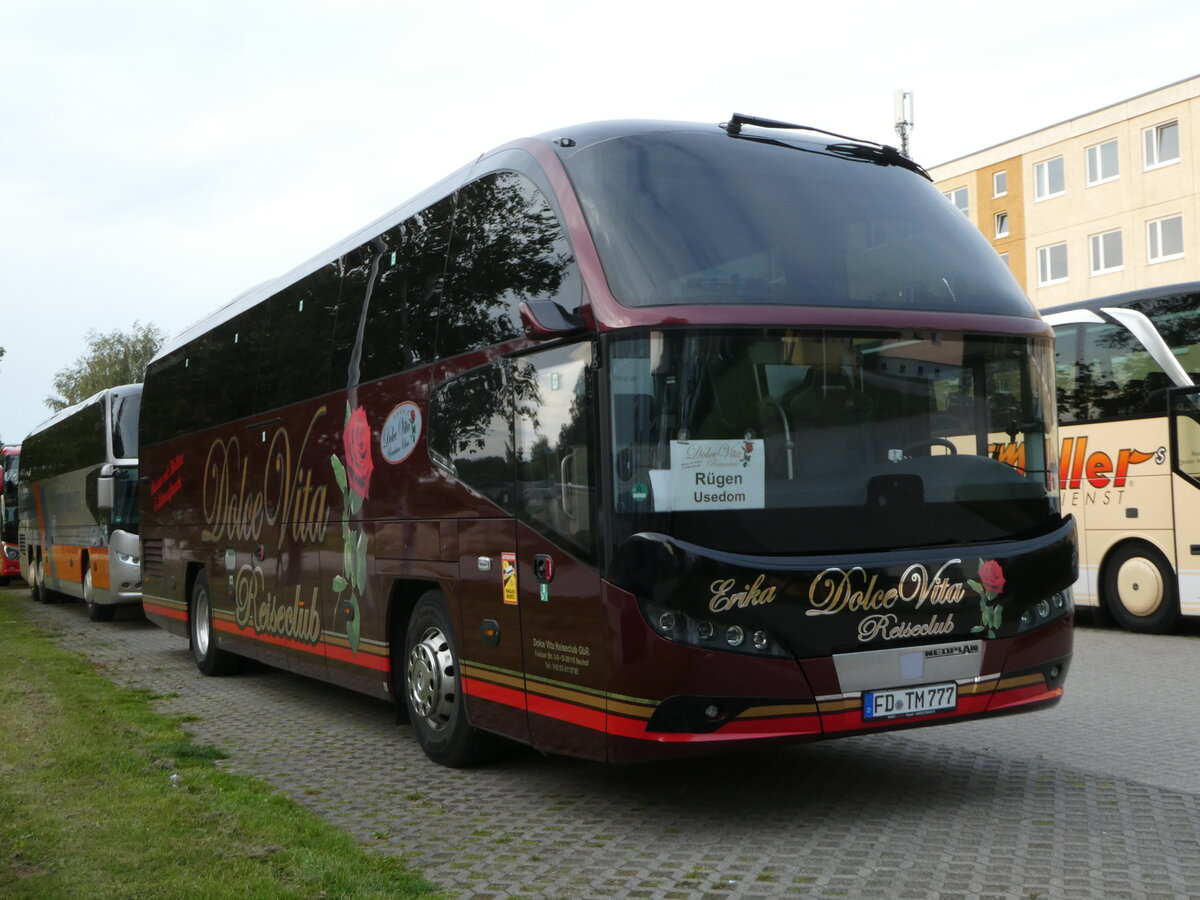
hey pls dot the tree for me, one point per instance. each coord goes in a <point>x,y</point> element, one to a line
<point>113,358</point>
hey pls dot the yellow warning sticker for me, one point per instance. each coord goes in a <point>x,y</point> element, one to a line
<point>508,569</point>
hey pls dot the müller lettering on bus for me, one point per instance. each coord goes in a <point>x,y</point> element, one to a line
<point>633,440</point>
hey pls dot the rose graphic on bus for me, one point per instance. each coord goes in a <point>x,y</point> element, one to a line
<point>989,586</point>
<point>354,480</point>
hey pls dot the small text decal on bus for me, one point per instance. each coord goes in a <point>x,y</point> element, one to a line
<point>400,432</point>
<point>724,598</point>
<point>169,479</point>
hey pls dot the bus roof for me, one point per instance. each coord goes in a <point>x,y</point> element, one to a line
<point>1150,293</point>
<point>69,411</point>
<point>565,142</point>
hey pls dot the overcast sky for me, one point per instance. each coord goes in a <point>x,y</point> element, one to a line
<point>158,158</point>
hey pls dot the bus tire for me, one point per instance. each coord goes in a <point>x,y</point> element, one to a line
<point>1139,589</point>
<point>433,689</point>
<point>97,612</point>
<point>38,577</point>
<point>210,659</point>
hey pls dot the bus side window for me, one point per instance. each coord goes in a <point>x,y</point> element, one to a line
<point>295,358</point>
<point>234,349</point>
<point>1072,407</point>
<point>508,246</point>
<point>556,481</point>
<point>163,416</point>
<point>470,432</point>
<point>1117,375</point>
<point>402,320</point>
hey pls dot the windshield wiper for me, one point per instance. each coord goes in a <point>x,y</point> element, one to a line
<point>870,151</point>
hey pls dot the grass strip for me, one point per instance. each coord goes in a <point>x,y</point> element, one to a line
<point>89,807</point>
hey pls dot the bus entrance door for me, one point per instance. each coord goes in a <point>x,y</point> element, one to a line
<point>1185,484</point>
<point>562,625</point>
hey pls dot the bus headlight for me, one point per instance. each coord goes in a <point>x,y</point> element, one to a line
<point>13,553</point>
<point>682,628</point>
<point>1045,611</point>
<point>126,558</point>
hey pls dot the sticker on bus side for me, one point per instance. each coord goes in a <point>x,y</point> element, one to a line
<point>400,432</point>
<point>508,575</point>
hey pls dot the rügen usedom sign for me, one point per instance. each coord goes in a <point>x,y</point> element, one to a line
<point>717,475</point>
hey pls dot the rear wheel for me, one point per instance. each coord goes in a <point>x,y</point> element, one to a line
<point>1140,589</point>
<point>38,588</point>
<point>97,612</point>
<point>210,659</point>
<point>433,689</point>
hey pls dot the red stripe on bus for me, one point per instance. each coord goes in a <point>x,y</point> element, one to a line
<point>567,712</point>
<point>496,693</point>
<point>1035,693</point>
<point>366,660</point>
<point>165,611</point>
<point>363,660</point>
<point>621,726</point>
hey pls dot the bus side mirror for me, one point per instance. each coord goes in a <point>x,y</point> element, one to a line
<point>545,319</point>
<point>105,488</point>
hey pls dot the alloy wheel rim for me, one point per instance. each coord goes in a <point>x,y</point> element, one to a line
<point>432,682</point>
<point>200,612</point>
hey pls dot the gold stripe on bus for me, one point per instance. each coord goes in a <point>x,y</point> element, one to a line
<point>371,648</point>
<point>579,698</point>
<point>631,710</point>
<point>1007,684</point>
<point>978,686</point>
<point>494,676</point>
<point>783,709</point>
<point>593,699</point>
<point>166,601</point>
<point>847,704</point>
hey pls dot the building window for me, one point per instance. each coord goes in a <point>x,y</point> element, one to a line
<point>1052,264</point>
<point>1107,252</point>
<point>1001,224</point>
<point>1161,144</point>
<point>1164,239</point>
<point>1000,184</point>
<point>1102,163</point>
<point>959,198</point>
<point>1049,179</point>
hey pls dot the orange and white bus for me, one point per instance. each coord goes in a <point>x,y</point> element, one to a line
<point>1125,366</point>
<point>639,439</point>
<point>10,557</point>
<point>78,504</point>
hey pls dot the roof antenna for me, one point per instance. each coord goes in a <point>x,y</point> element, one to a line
<point>904,118</point>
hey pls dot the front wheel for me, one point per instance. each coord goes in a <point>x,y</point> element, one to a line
<point>433,689</point>
<point>1140,590</point>
<point>210,659</point>
<point>97,612</point>
<point>37,578</point>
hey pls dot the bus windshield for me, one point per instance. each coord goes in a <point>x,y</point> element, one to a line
<point>784,442</point>
<point>773,223</point>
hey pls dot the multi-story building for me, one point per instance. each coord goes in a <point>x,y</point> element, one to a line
<point>1101,203</point>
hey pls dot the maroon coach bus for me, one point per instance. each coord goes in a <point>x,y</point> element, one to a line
<point>629,441</point>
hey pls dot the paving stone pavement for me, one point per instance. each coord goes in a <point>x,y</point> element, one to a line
<point>1098,797</point>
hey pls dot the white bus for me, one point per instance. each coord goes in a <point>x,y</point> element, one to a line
<point>1125,369</point>
<point>78,504</point>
